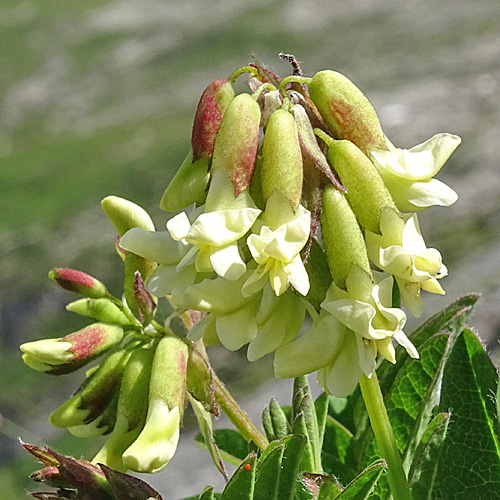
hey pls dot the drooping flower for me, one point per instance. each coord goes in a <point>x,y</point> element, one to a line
<point>347,336</point>
<point>263,320</point>
<point>401,251</point>
<point>408,173</point>
<point>214,234</point>
<point>279,237</point>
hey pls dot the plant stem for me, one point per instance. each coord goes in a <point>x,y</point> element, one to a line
<point>382,429</point>
<point>237,416</point>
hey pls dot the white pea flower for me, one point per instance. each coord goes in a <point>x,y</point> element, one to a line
<point>349,334</point>
<point>280,235</point>
<point>214,234</point>
<point>401,251</point>
<point>408,173</point>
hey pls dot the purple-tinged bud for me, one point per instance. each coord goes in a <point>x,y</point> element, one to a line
<point>146,305</point>
<point>42,454</point>
<point>281,168</point>
<point>79,282</point>
<point>67,354</point>
<point>46,495</point>
<point>238,141</point>
<point>126,487</point>
<point>50,476</point>
<point>310,145</point>
<point>366,191</point>
<point>103,310</point>
<point>346,110</point>
<point>344,243</point>
<point>213,104</point>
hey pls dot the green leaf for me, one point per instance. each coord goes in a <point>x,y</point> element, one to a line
<point>336,450</point>
<point>290,470</point>
<point>208,494</point>
<point>241,485</point>
<point>321,405</point>
<point>469,463</point>
<point>410,402</point>
<point>268,473</point>
<point>232,446</point>
<point>205,423</point>
<point>422,475</point>
<point>451,320</point>
<point>362,486</point>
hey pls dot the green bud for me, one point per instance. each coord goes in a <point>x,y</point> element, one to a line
<point>366,191</point>
<point>346,110</point>
<point>199,381</point>
<point>188,186</point>
<point>345,246</point>
<point>79,282</point>
<point>279,422</point>
<point>101,310</point>
<point>96,393</point>
<point>131,411</point>
<point>125,215</point>
<point>157,442</point>
<point>281,168</point>
<point>69,353</point>
<point>237,141</point>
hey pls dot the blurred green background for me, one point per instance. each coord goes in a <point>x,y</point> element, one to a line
<point>97,98</point>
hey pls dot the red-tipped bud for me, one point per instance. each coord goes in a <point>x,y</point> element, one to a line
<point>213,104</point>
<point>67,354</point>
<point>50,476</point>
<point>238,141</point>
<point>346,110</point>
<point>146,305</point>
<point>79,282</point>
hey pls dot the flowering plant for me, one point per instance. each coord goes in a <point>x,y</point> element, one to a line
<point>297,236</point>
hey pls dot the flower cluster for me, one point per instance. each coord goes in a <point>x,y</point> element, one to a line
<point>297,163</point>
<point>137,394</point>
<point>292,208</point>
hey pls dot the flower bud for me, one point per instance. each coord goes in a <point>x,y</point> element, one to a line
<point>79,282</point>
<point>188,186</point>
<point>237,142</point>
<point>157,442</point>
<point>125,215</point>
<point>199,381</point>
<point>101,310</point>
<point>366,191</point>
<point>96,393</point>
<point>131,411</point>
<point>281,168</point>
<point>213,104</point>
<point>146,305</point>
<point>345,246</point>
<point>346,110</point>
<point>67,354</point>
<point>310,145</point>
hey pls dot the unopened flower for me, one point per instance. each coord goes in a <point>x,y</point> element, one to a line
<point>347,336</point>
<point>214,234</point>
<point>408,173</point>
<point>275,245</point>
<point>67,354</point>
<point>79,282</point>
<point>401,251</point>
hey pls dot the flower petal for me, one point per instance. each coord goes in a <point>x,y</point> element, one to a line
<point>227,262</point>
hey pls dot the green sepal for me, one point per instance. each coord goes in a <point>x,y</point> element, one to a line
<point>189,184</point>
<point>104,310</point>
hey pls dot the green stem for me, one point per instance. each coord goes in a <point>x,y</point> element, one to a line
<point>264,86</point>
<point>382,429</point>
<point>294,79</point>
<point>237,416</point>
<point>246,69</point>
